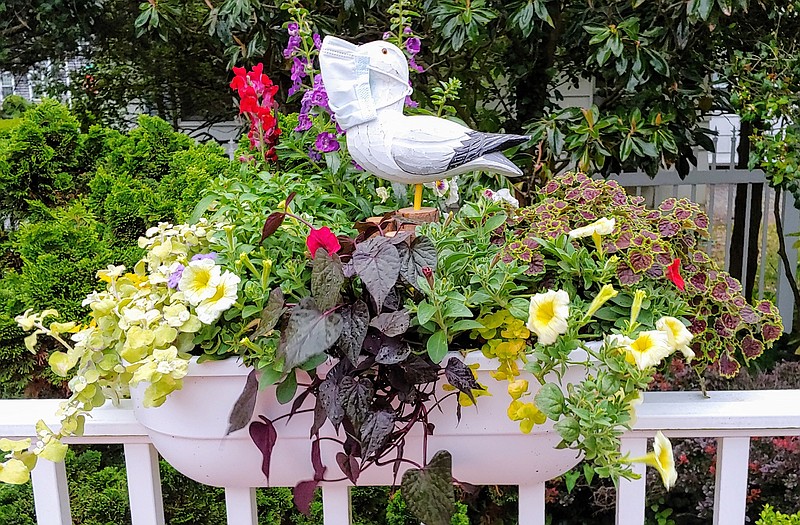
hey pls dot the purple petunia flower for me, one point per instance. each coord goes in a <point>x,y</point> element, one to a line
<point>175,277</point>
<point>326,142</point>
<point>413,45</point>
<point>201,256</point>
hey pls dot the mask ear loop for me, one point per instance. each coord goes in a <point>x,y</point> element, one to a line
<point>397,79</point>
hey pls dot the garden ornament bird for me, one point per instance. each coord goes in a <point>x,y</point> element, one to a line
<point>367,86</point>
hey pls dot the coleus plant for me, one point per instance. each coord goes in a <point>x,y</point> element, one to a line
<point>654,247</point>
<point>381,386</point>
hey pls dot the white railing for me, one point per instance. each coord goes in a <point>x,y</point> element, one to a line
<point>732,417</point>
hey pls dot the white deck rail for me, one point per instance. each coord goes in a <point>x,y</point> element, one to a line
<point>732,417</point>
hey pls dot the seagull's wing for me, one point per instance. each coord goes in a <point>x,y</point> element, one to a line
<point>424,145</point>
<point>429,145</point>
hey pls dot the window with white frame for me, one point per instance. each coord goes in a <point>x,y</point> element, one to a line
<point>6,84</point>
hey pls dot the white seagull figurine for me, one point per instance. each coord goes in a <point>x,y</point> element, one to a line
<point>367,86</point>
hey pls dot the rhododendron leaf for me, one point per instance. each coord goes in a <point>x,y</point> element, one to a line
<point>355,395</point>
<point>429,491</point>
<point>392,324</point>
<point>272,224</point>
<point>460,376</point>
<point>327,278</point>
<point>550,400</point>
<point>271,313</point>
<point>349,466</point>
<point>355,321</point>
<point>264,436</point>
<point>421,254</point>
<point>303,494</point>
<point>375,431</point>
<point>242,410</point>
<point>309,332</point>
<point>377,262</point>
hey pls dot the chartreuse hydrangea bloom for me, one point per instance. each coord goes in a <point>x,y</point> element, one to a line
<point>661,459</point>
<point>678,336</point>
<point>548,315</point>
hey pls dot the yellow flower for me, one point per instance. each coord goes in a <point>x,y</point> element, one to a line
<point>518,388</point>
<point>548,314</point>
<point>515,329</point>
<point>225,293</point>
<point>606,292</point>
<point>648,349</point>
<point>527,414</point>
<point>199,280</point>
<point>509,349</point>
<point>602,226</point>
<point>678,336</point>
<point>636,307</point>
<point>110,273</point>
<point>661,459</point>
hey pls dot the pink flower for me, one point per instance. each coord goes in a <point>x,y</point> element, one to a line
<point>674,275</point>
<point>322,238</point>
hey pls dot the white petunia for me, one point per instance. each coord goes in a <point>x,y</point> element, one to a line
<point>602,226</point>
<point>548,314</point>
<point>224,296</point>
<point>678,335</point>
<point>199,280</point>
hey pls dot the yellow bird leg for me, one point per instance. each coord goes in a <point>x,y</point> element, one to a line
<point>417,196</point>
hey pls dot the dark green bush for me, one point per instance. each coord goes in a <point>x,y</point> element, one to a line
<point>13,107</point>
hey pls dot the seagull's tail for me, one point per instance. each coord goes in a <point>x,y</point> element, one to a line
<point>499,141</point>
<point>498,163</point>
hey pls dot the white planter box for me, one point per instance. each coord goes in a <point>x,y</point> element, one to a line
<point>188,430</point>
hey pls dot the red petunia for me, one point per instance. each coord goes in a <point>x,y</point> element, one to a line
<point>322,238</point>
<point>674,274</point>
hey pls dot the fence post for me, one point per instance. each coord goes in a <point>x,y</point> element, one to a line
<point>50,493</point>
<point>631,493</point>
<point>791,224</point>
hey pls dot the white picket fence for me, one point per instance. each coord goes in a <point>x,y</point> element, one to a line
<point>731,417</point>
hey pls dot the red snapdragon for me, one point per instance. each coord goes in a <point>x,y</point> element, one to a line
<point>257,99</point>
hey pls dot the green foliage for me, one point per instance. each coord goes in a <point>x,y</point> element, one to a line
<point>38,160</point>
<point>13,107</point>
<point>769,516</point>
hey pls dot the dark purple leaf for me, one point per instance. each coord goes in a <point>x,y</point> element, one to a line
<point>272,224</point>
<point>308,333</point>
<point>419,371</point>
<point>243,408</point>
<point>355,395</point>
<point>298,402</point>
<point>303,495</point>
<point>329,397</point>
<point>376,429</point>
<point>377,263</point>
<point>355,320</point>
<point>392,324</point>
<point>728,365</point>
<point>421,254</point>
<point>460,376</point>
<point>270,314</point>
<point>326,279</point>
<point>429,491</point>
<point>349,466</point>
<point>316,461</point>
<point>392,351</point>
<point>319,418</point>
<point>264,437</point>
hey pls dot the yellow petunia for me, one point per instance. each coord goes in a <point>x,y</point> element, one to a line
<point>225,294</point>
<point>661,459</point>
<point>199,280</point>
<point>678,336</point>
<point>648,349</point>
<point>548,314</point>
<point>602,226</point>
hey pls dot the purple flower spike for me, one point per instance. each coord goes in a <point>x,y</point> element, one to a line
<point>416,67</point>
<point>292,46</point>
<point>303,122</point>
<point>317,41</point>
<point>387,35</point>
<point>297,74</point>
<point>293,28</point>
<point>407,30</point>
<point>326,142</point>
<point>314,155</point>
<point>175,277</point>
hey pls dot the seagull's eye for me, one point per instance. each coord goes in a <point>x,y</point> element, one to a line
<point>384,51</point>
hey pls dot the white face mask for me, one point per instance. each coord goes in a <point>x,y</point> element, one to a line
<point>346,72</point>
